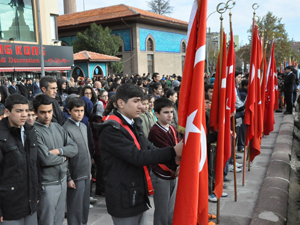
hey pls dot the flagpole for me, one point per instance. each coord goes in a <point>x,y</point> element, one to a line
<point>221,11</point>
<point>233,117</point>
<point>255,7</point>
<point>250,141</point>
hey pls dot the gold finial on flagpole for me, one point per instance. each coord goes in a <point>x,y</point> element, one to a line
<point>229,5</point>
<point>255,6</point>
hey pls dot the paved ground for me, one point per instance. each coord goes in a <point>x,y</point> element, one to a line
<point>233,213</point>
<point>240,212</point>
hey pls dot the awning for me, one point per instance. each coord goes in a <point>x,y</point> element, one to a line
<point>6,69</point>
<point>32,69</point>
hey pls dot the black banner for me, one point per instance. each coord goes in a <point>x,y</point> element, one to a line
<point>27,55</point>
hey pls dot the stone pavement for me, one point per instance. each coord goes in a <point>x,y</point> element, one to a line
<point>241,212</point>
<point>232,213</point>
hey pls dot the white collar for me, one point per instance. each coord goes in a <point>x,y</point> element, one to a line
<point>77,123</point>
<point>130,121</point>
<point>166,129</point>
<point>23,135</point>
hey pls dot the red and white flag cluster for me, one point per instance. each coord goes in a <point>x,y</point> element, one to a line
<point>262,97</point>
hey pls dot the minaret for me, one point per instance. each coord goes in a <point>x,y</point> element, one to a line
<point>69,6</point>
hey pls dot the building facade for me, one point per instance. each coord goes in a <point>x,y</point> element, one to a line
<point>91,64</point>
<point>19,40</point>
<point>151,42</point>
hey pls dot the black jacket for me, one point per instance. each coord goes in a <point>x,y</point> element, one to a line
<point>126,191</point>
<point>289,81</point>
<point>19,172</point>
<point>58,116</point>
<point>4,93</point>
<point>23,89</point>
<point>12,90</point>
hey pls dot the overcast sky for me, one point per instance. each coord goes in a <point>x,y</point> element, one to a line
<point>288,10</point>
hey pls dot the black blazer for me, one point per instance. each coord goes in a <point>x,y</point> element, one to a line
<point>24,91</point>
<point>11,90</point>
<point>289,81</point>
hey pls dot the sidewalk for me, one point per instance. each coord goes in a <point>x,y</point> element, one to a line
<point>241,212</point>
<point>233,213</point>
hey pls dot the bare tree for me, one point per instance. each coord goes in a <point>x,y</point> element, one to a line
<point>161,7</point>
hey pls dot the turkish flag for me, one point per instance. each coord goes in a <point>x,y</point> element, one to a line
<point>217,116</point>
<point>258,122</point>
<point>270,96</point>
<point>250,103</point>
<point>230,98</point>
<point>191,206</point>
<point>263,83</point>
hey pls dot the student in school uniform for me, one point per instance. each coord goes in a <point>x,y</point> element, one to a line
<point>164,177</point>
<point>78,192</point>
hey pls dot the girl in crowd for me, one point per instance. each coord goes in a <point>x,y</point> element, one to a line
<point>103,97</point>
<point>89,92</point>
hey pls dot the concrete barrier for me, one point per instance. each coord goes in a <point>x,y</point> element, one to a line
<point>271,206</point>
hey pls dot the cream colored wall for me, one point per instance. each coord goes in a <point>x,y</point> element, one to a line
<point>47,7</point>
<point>164,63</point>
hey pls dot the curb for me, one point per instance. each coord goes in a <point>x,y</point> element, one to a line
<point>271,206</point>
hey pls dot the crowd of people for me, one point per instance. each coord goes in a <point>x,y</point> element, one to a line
<point>60,136</point>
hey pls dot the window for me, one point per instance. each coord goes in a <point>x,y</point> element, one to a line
<point>150,63</point>
<point>183,47</point>
<point>150,45</point>
<point>16,20</point>
<point>120,48</point>
<point>98,71</point>
<point>53,25</point>
<point>77,72</point>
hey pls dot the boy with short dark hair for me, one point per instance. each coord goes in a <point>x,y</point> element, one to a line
<point>48,87</point>
<point>31,114</point>
<point>164,177</point>
<point>19,167</point>
<point>78,193</point>
<point>54,148</point>
<point>126,153</point>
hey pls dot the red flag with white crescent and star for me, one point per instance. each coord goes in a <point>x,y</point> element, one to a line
<point>217,116</point>
<point>230,98</point>
<point>270,96</point>
<point>191,206</point>
<point>250,103</point>
<point>258,122</point>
